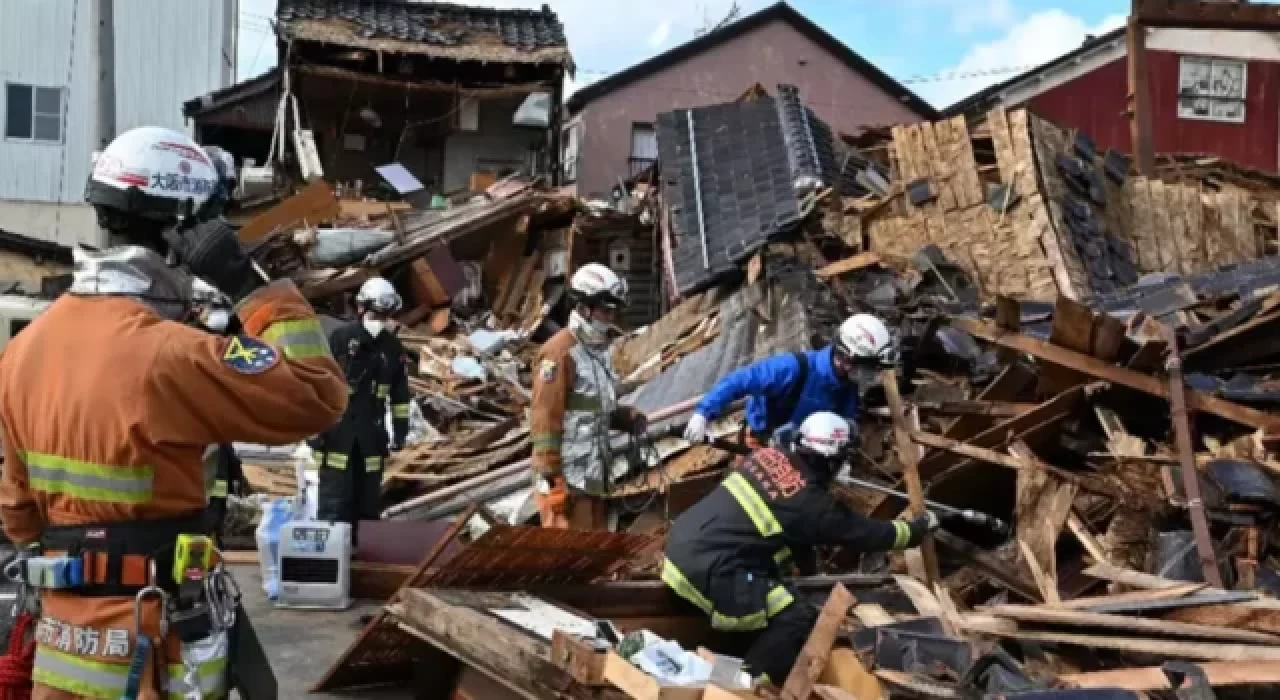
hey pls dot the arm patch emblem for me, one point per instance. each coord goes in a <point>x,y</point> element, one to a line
<point>248,355</point>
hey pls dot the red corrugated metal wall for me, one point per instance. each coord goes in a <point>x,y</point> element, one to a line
<point>1095,102</point>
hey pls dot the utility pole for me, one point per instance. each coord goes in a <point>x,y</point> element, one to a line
<point>104,61</point>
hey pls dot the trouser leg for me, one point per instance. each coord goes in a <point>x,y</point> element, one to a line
<point>369,489</point>
<point>777,647</point>
<point>336,487</point>
<point>355,467</point>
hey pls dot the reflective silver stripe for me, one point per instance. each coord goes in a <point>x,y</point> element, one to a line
<point>92,679</point>
<point>90,481</point>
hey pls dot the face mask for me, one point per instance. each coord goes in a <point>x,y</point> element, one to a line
<point>592,332</point>
<point>374,326</point>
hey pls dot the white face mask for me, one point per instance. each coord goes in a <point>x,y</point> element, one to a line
<point>374,326</point>
<point>592,332</point>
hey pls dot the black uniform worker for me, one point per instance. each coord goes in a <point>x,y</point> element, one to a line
<point>351,454</point>
<point>728,554</point>
<point>228,478</point>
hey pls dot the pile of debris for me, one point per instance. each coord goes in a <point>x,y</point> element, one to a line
<point>1119,419</point>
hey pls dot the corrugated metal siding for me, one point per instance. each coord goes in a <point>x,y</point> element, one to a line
<point>166,52</point>
<point>35,50</point>
<point>1095,103</point>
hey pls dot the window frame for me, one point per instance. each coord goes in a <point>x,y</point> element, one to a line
<point>1210,98</point>
<point>35,112</point>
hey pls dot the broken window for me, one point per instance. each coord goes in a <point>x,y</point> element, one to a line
<point>32,113</point>
<point>644,148</point>
<point>1211,89</point>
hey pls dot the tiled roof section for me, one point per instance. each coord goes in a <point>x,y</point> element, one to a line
<point>438,25</point>
<point>739,191</point>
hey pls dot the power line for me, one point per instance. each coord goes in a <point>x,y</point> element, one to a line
<point>943,77</point>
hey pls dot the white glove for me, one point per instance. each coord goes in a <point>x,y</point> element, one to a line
<point>696,430</point>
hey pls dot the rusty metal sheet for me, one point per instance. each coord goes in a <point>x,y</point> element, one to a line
<point>511,557</point>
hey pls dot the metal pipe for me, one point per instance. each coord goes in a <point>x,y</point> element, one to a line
<point>697,191</point>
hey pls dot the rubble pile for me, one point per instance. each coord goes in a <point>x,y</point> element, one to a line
<point>1087,355</point>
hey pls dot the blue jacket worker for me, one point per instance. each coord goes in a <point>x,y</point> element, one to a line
<point>786,389</point>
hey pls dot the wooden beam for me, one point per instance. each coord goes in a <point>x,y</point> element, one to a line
<point>1143,645</point>
<point>909,456</point>
<point>1219,673</point>
<point>1007,386</point>
<point>1117,375</point>
<point>1132,597</point>
<point>1139,98</point>
<point>314,204</point>
<point>1001,572</point>
<point>1181,416</point>
<point>638,685</point>
<point>1236,615</point>
<point>1199,14</point>
<point>1135,579</point>
<point>817,649</point>
<point>1086,538</point>
<point>1083,618</point>
<point>857,262</point>
<point>846,673</point>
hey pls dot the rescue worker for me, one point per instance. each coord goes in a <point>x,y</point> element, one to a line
<point>111,398</point>
<point>729,553</point>
<point>575,405</point>
<point>351,454</point>
<point>786,389</point>
<point>224,465</point>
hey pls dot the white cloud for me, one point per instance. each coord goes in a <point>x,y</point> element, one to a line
<point>660,34</point>
<point>1037,39</point>
<point>969,17</point>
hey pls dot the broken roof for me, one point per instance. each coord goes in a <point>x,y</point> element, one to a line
<point>439,30</point>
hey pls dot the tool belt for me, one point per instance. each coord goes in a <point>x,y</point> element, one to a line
<point>116,559</point>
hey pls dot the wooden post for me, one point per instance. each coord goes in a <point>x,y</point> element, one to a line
<point>1139,97</point>
<point>909,456</point>
<point>817,650</point>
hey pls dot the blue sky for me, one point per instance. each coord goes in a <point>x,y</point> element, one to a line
<point>943,49</point>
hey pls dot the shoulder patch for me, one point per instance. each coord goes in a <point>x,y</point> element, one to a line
<point>248,355</point>
<point>547,370</point>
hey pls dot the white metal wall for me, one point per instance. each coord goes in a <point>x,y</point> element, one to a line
<point>167,52</point>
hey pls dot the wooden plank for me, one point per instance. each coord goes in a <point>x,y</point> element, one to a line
<point>1141,645</point>
<point>1218,673</point>
<point>989,564</point>
<point>314,204</point>
<point>921,597</point>
<point>1133,596</point>
<point>909,456</point>
<point>817,649</point>
<point>1042,507</point>
<point>845,673</point>
<point>1086,538</point>
<point>1237,615</point>
<point>1117,375</point>
<point>1047,584</point>
<point>1136,579</point>
<point>578,659</point>
<point>1126,623</point>
<point>425,286</point>
<point>638,685</point>
<point>1009,385</point>
<point>856,262</point>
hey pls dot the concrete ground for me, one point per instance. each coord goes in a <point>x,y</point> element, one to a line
<point>303,644</point>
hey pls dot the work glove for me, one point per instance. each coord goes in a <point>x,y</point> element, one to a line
<point>920,527</point>
<point>212,252</point>
<point>555,494</point>
<point>696,430</point>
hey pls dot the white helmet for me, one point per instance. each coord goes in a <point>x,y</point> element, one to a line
<point>865,338</point>
<point>154,173</point>
<point>596,285</point>
<point>379,295</point>
<point>825,433</point>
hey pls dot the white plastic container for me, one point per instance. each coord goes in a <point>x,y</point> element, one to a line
<point>274,515</point>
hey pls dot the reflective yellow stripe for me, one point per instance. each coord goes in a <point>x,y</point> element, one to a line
<point>382,390</point>
<point>299,340</point>
<point>674,578</point>
<point>754,506</point>
<point>213,679</point>
<point>546,441</point>
<point>746,623</point>
<point>902,534</point>
<point>777,600</point>
<point>88,480</point>
<point>219,489</point>
<point>373,464</point>
<point>90,679</point>
<point>399,410</point>
<point>333,460</point>
<point>782,556</point>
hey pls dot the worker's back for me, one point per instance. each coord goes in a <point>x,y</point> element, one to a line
<point>78,393</point>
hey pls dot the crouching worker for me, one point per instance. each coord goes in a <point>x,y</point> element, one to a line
<point>727,554</point>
